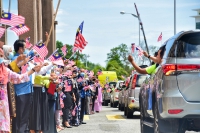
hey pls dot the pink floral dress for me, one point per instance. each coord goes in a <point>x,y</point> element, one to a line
<point>4,107</point>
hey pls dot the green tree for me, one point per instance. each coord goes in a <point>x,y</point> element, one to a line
<point>115,66</point>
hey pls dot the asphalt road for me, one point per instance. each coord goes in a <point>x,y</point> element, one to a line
<point>109,120</point>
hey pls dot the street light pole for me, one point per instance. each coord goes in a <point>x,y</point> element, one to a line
<point>122,12</point>
<point>86,56</point>
<point>174,17</point>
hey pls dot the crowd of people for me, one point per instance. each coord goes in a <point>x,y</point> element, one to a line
<point>45,96</point>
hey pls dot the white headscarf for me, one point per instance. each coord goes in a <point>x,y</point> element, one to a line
<point>6,50</point>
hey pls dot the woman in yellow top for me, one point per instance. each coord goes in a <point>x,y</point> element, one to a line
<point>151,69</point>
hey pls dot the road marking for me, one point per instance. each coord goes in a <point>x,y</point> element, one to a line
<point>115,117</point>
<point>86,117</point>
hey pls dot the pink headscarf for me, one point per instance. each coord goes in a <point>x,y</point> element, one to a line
<point>3,71</point>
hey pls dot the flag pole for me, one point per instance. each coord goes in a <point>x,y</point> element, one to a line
<point>77,58</point>
<point>52,25</point>
<point>72,55</point>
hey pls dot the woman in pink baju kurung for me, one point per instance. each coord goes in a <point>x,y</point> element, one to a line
<point>98,101</point>
<point>5,76</point>
<point>4,107</point>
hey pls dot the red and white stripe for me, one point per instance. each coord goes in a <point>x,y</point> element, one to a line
<point>160,37</point>
<point>15,20</point>
<point>51,58</point>
<point>64,49</point>
<point>21,30</point>
<point>80,41</point>
<point>43,51</point>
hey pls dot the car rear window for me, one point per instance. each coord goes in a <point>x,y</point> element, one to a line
<point>140,79</point>
<point>189,46</point>
<point>112,83</point>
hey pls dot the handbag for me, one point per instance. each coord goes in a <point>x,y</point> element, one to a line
<point>52,88</point>
<point>11,99</point>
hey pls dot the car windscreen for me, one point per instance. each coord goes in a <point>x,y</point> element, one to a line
<point>140,79</point>
<point>112,83</point>
<point>189,46</point>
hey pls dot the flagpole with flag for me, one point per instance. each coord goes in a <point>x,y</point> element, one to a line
<point>52,53</point>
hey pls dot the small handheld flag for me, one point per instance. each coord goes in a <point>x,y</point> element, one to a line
<point>41,49</point>
<point>11,19</point>
<point>20,29</point>
<point>160,37</point>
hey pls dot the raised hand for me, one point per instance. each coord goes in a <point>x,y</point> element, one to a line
<point>130,58</point>
<point>20,58</point>
<point>37,68</point>
<point>145,54</point>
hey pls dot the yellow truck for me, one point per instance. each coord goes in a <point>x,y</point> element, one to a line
<point>107,76</point>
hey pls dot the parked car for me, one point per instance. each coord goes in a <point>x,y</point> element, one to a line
<point>169,99</point>
<point>114,94</point>
<point>122,93</point>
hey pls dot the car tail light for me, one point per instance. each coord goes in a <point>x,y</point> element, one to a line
<point>134,81</point>
<point>175,111</point>
<point>116,98</point>
<point>170,68</point>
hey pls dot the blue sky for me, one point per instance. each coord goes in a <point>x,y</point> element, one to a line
<point>105,28</point>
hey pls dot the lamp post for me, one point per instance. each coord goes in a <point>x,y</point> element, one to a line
<point>174,17</point>
<point>86,57</point>
<point>122,12</point>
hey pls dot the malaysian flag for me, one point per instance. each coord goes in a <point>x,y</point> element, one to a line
<point>11,19</point>
<point>140,51</point>
<point>28,44</point>
<point>55,56</point>
<point>64,49</point>
<point>160,37</point>
<point>2,30</point>
<point>20,29</point>
<point>38,59</point>
<point>132,47</point>
<point>41,49</point>
<point>80,41</point>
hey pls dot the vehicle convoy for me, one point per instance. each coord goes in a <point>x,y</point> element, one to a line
<point>169,99</point>
<point>132,94</point>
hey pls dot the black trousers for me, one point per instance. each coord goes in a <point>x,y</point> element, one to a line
<point>67,106</point>
<point>93,100</point>
<point>23,104</point>
<point>82,109</point>
<point>52,122</point>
